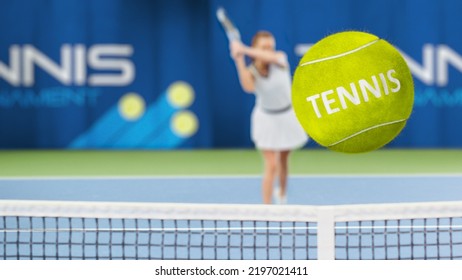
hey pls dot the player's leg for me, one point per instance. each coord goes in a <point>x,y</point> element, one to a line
<point>283,170</point>
<point>270,165</point>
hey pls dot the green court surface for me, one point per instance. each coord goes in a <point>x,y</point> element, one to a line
<point>222,162</point>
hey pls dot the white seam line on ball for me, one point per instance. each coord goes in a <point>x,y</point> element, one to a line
<point>339,55</point>
<point>364,130</point>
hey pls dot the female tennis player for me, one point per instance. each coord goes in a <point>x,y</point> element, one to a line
<point>275,129</point>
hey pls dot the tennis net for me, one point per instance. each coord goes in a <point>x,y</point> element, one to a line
<point>106,230</point>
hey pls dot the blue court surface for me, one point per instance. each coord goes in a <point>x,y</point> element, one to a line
<point>303,190</point>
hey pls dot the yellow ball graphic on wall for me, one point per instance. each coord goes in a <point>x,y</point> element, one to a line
<point>131,106</point>
<point>180,94</point>
<point>184,124</point>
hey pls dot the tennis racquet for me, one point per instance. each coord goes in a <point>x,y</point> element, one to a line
<point>231,31</point>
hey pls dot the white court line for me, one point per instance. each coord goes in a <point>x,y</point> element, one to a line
<point>231,177</point>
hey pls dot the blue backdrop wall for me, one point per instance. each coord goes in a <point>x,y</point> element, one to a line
<point>157,74</point>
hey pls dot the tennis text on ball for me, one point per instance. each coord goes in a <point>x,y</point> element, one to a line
<point>347,97</point>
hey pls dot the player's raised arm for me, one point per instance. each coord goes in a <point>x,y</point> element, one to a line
<point>268,56</point>
<point>264,53</point>
<point>246,78</point>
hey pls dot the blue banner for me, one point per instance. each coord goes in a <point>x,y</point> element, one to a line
<point>145,74</point>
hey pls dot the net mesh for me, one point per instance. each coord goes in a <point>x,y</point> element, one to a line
<point>70,230</point>
<point>37,230</point>
<point>86,238</point>
<point>412,239</point>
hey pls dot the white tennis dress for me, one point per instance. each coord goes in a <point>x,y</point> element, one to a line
<point>274,125</point>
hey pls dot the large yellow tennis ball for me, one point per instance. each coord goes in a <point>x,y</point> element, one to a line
<point>353,92</point>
